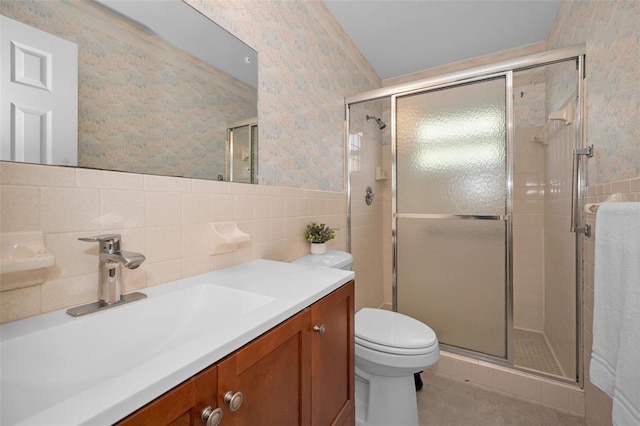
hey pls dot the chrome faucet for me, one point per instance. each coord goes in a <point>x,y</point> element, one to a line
<point>110,262</point>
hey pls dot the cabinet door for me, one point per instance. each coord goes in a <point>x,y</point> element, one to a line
<point>173,408</point>
<point>332,358</point>
<point>272,373</point>
<point>206,391</point>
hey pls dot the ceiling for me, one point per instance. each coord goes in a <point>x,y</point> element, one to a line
<point>400,37</point>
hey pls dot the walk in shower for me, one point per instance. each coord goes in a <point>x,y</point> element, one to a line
<point>481,205</point>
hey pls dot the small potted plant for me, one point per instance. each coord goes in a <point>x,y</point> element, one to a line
<point>318,234</point>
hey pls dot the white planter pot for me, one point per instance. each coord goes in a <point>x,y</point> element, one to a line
<point>318,248</point>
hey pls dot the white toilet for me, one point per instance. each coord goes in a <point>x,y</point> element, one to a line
<point>390,348</point>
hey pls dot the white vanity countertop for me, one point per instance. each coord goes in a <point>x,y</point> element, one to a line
<point>97,369</point>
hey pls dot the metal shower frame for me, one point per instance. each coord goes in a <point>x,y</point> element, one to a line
<point>577,53</point>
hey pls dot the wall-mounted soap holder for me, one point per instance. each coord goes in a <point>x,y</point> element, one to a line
<point>381,174</point>
<point>23,257</point>
<point>225,237</point>
<point>24,251</point>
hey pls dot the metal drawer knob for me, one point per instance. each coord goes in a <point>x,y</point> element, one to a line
<point>211,417</point>
<point>320,329</point>
<point>233,400</point>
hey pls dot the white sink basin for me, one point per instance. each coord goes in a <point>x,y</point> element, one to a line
<point>96,369</point>
<point>62,360</point>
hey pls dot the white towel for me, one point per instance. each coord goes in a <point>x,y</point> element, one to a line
<point>615,360</point>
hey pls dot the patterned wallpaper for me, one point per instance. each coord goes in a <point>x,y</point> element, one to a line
<point>307,66</point>
<point>610,30</point>
<point>144,106</point>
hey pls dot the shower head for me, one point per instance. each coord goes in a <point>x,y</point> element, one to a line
<point>381,123</point>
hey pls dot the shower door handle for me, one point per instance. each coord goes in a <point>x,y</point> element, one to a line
<point>452,216</point>
<point>576,185</point>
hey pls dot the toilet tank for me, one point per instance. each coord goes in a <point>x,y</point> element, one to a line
<point>331,259</point>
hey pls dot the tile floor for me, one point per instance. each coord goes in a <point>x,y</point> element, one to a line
<point>530,350</point>
<point>446,402</point>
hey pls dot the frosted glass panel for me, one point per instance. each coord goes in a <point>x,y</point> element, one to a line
<point>451,150</point>
<point>451,160</point>
<point>451,276</point>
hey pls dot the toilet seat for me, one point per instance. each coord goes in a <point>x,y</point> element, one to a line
<point>393,333</point>
<point>395,350</point>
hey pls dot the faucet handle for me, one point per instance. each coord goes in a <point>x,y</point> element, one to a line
<point>109,243</point>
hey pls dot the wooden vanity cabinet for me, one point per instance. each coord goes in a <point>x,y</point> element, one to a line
<point>332,359</point>
<point>301,372</point>
<point>173,408</point>
<point>272,373</point>
<point>182,405</point>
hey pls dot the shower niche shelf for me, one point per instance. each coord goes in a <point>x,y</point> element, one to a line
<point>566,114</point>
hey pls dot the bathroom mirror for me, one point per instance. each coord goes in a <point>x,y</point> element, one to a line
<point>159,86</point>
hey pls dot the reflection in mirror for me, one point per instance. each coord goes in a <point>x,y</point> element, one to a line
<point>242,151</point>
<point>148,101</point>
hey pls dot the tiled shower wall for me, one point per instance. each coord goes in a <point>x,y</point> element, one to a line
<point>560,247</point>
<point>528,235</point>
<point>528,199</point>
<point>167,219</point>
<point>366,220</point>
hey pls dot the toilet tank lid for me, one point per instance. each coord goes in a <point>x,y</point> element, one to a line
<point>331,259</point>
<point>393,329</point>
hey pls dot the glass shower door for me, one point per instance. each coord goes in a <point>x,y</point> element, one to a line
<point>452,213</point>
<point>242,153</point>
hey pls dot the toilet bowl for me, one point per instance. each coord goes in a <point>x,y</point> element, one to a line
<point>389,348</point>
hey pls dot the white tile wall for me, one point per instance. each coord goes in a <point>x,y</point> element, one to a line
<point>528,230</point>
<point>167,219</point>
<point>366,220</point>
<point>559,248</point>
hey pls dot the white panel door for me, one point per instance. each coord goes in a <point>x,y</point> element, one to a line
<point>38,96</point>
